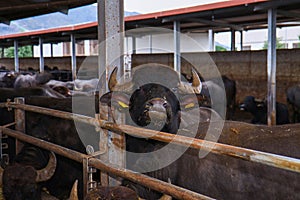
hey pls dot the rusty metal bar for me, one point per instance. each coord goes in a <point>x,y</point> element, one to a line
<point>274,160</point>
<point>20,122</point>
<point>152,183</point>
<point>85,176</point>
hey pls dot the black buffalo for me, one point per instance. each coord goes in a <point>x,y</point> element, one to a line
<point>35,166</point>
<point>52,129</point>
<point>258,108</point>
<point>220,177</point>
<point>293,99</point>
<point>156,99</point>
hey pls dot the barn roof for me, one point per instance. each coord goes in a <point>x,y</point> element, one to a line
<point>222,16</point>
<point>18,9</point>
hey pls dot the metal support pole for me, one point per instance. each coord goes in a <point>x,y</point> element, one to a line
<point>232,40</point>
<point>73,56</point>
<point>241,32</point>
<point>32,50</point>
<point>2,52</point>
<point>133,45</point>
<point>111,52</point>
<point>211,40</point>
<point>150,43</point>
<point>20,122</point>
<point>177,53</point>
<point>42,64</point>
<point>16,55</point>
<point>271,66</point>
<point>51,50</point>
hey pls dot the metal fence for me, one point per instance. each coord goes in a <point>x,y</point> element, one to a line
<point>274,160</point>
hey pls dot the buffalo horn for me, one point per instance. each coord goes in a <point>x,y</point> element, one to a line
<point>47,172</point>
<point>164,197</point>
<point>196,86</point>
<point>74,191</point>
<point>113,84</point>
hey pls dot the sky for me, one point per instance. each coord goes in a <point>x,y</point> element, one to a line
<point>146,6</point>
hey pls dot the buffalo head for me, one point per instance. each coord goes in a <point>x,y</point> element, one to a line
<point>21,181</point>
<point>154,97</point>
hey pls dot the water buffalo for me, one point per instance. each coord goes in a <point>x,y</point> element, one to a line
<point>218,176</point>
<point>55,130</point>
<point>24,177</point>
<point>293,99</point>
<point>258,108</point>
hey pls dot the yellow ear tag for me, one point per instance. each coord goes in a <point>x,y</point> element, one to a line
<point>123,105</point>
<point>190,105</point>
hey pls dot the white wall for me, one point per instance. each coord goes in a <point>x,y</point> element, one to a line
<point>256,38</point>
<point>163,43</point>
<point>57,50</point>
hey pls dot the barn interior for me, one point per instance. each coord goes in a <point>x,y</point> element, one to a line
<point>253,71</point>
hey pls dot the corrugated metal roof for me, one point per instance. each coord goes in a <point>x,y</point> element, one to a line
<point>18,9</point>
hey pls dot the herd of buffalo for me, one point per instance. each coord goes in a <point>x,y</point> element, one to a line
<point>157,99</point>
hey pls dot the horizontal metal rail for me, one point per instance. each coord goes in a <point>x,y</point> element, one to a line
<point>274,160</point>
<point>155,184</point>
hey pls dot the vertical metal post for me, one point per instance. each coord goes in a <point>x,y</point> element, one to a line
<point>85,167</point>
<point>111,51</point>
<point>73,56</point>
<point>232,40</point>
<point>211,40</point>
<point>32,50</point>
<point>150,43</point>
<point>133,45</point>
<point>2,52</point>
<point>241,33</point>
<point>20,122</point>
<point>177,53</point>
<point>51,50</point>
<point>271,66</point>
<point>42,64</point>
<point>16,55</point>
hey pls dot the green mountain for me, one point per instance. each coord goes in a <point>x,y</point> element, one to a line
<point>79,15</point>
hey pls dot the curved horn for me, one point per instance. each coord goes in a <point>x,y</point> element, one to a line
<point>165,197</point>
<point>47,172</point>
<point>113,84</point>
<point>74,191</point>
<point>196,86</point>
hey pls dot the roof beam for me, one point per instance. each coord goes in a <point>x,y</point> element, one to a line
<point>274,4</point>
<point>44,5</point>
<point>214,23</point>
<point>4,20</point>
<point>288,14</point>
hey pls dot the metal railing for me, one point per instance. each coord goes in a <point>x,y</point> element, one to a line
<point>274,160</point>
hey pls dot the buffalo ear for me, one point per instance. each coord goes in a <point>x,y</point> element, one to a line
<point>106,98</point>
<point>118,100</point>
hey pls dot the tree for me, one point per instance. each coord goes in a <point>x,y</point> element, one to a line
<point>279,45</point>
<point>220,48</point>
<point>24,51</point>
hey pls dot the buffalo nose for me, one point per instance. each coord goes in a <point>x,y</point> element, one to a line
<point>157,109</point>
<point>157,105</point>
